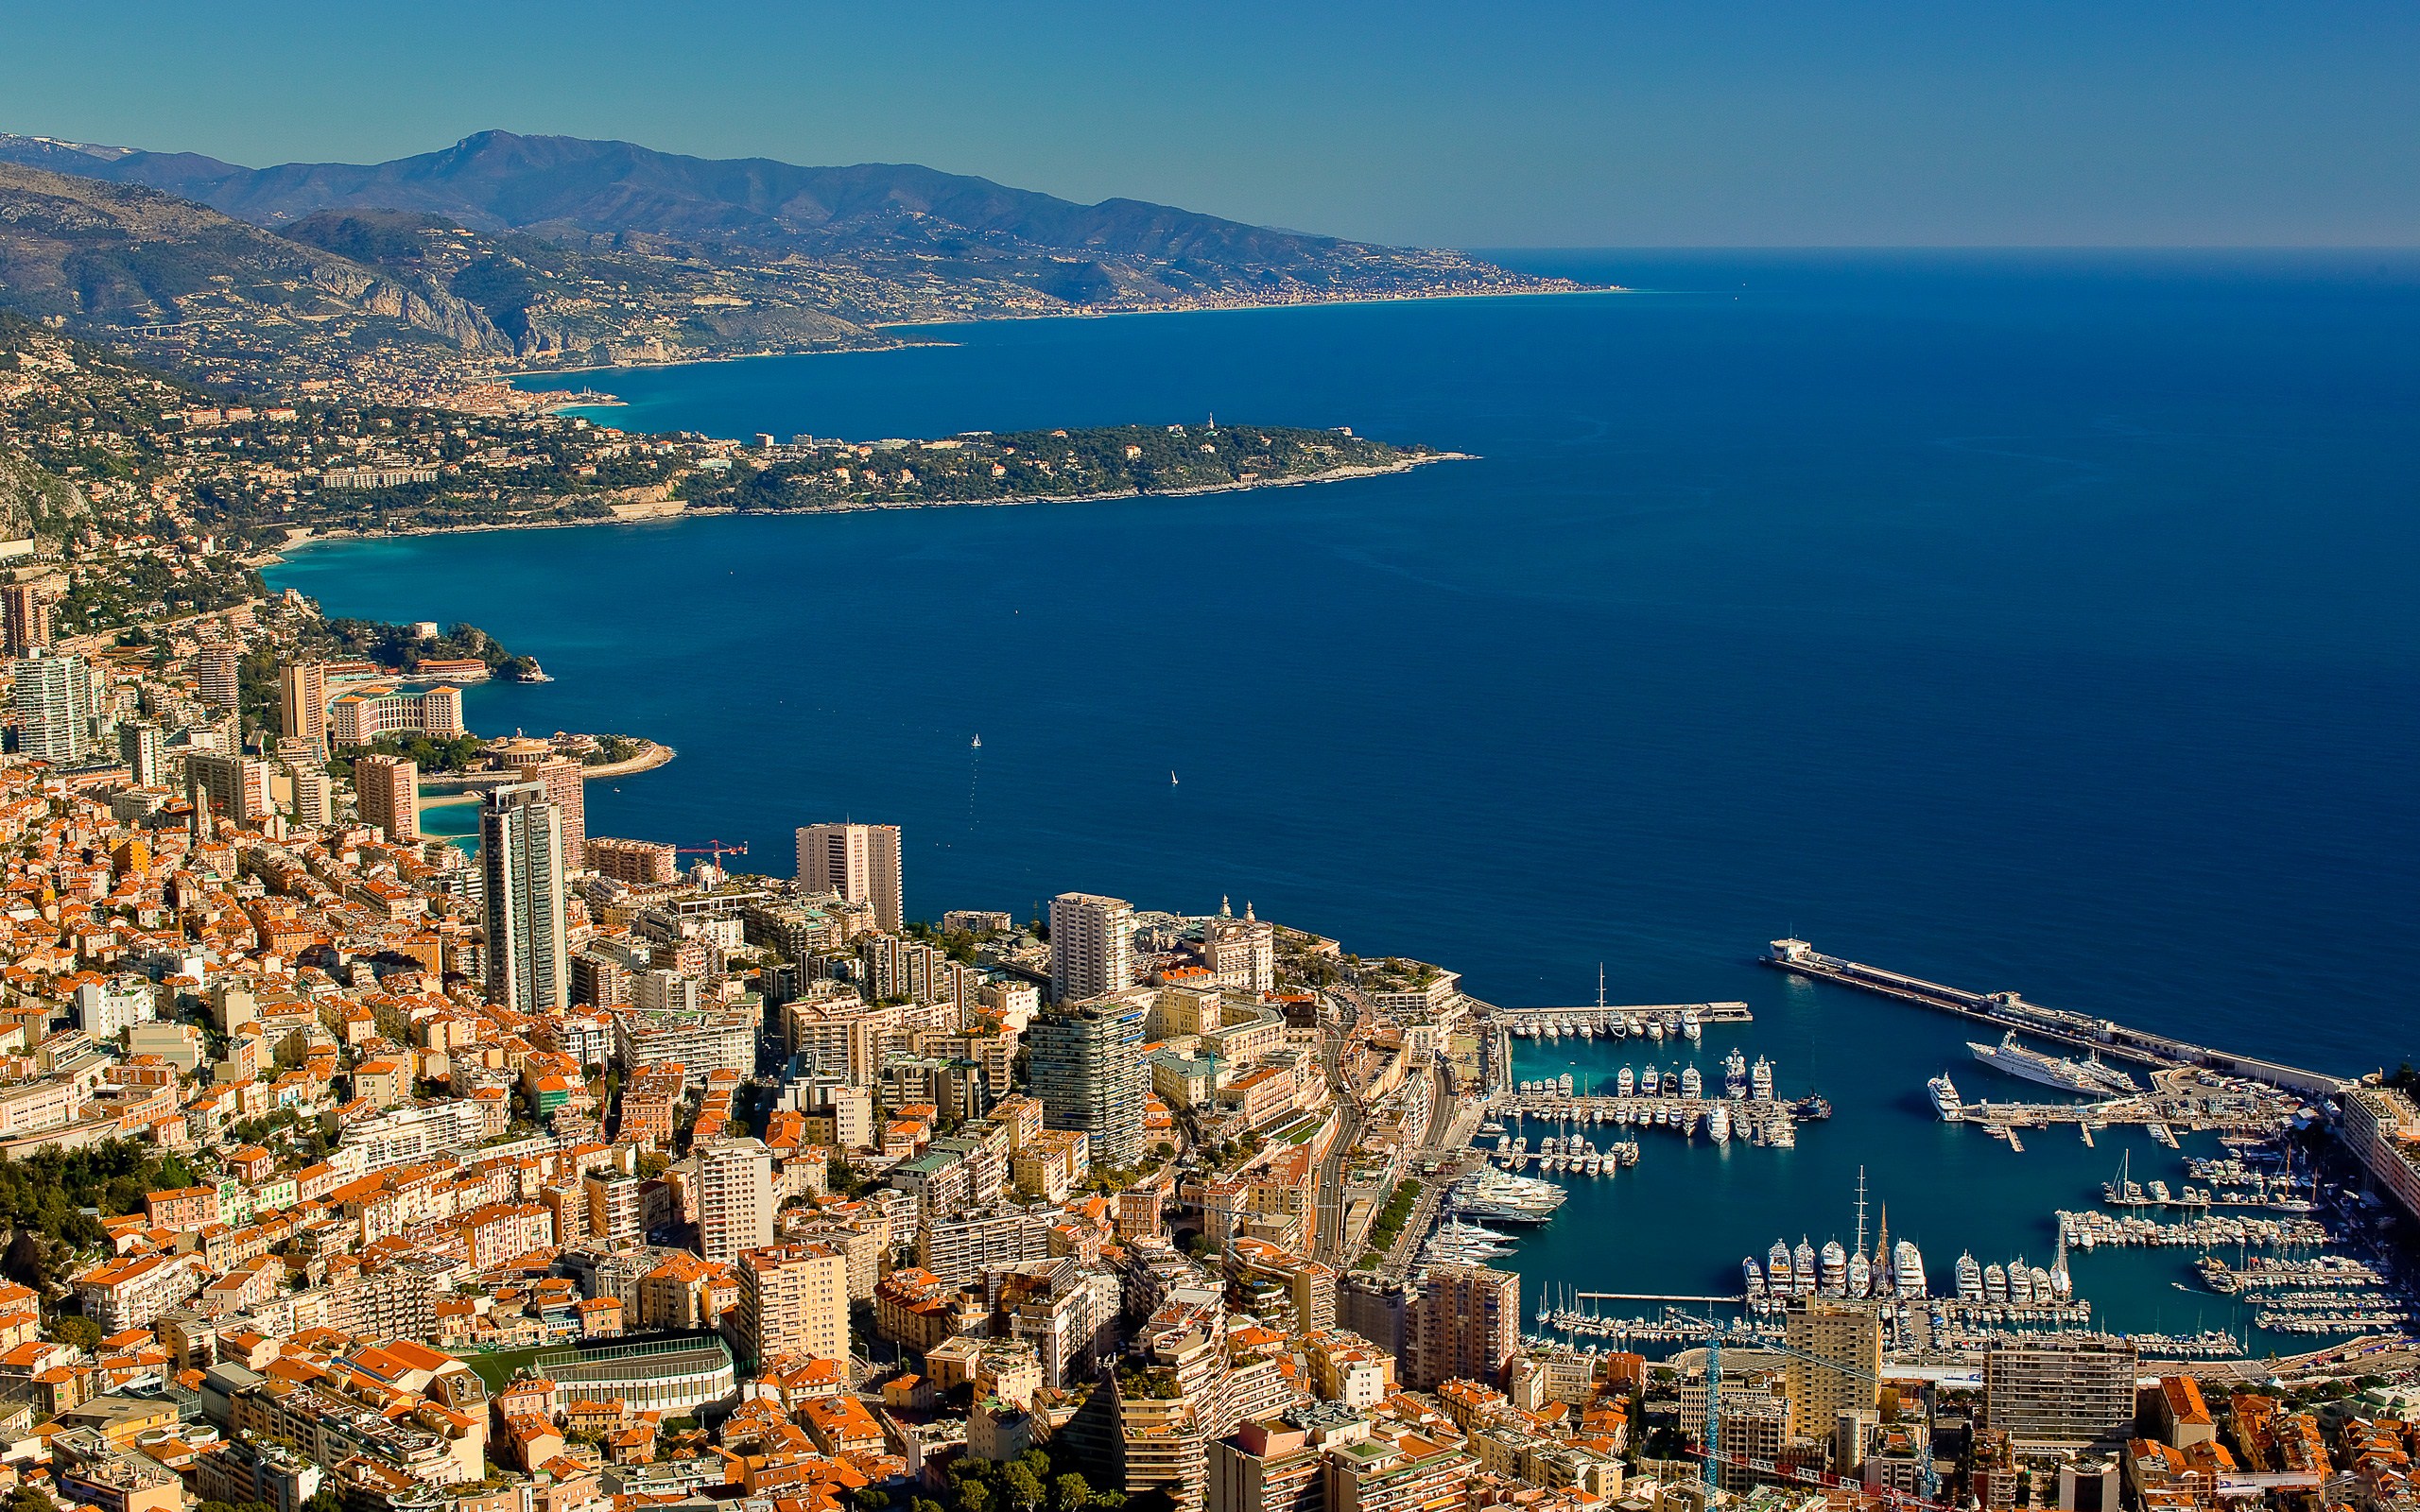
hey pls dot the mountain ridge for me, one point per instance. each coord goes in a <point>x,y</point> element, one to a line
<point>553,250</point>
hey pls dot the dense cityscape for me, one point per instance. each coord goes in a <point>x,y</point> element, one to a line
<point>352,1166</point>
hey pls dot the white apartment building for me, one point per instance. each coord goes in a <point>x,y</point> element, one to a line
<point>1092,946</point>
<point>736,1198</point>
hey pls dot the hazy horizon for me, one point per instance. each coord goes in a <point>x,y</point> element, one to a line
<point>1865,126</point>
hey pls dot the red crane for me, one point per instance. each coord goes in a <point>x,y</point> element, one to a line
<point>715,848</point>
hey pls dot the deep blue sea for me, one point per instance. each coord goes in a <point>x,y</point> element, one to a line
<point>2047,622</point>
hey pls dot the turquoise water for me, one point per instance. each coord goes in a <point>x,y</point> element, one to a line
<point>2041,622</point>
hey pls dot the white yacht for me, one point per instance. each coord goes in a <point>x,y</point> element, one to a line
<point>1718,1125</point>
<point>1761,1080</point>
<point>1625,1084</point>
<point>1946,1100</point>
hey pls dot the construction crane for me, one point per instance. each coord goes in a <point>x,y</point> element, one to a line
<point>1931,1479</point>
<point>715,848</point>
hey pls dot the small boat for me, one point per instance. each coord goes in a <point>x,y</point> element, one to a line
<point>1172,779</point>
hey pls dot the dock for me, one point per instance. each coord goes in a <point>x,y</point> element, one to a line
<point>2010,1011</point>
<point>1599,1018</point>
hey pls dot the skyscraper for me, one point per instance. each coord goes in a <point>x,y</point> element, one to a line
<point>387,793</point>
<point>735,1199</point>
<point>528,968</point>
<point>794,1299</point>
<point>1092,946</point>
<point>53,701</point>
<point>303,702</point>
<point>24,618</point>
<point>1840,1333</point>
<point>144,749</point>
<point>567,791</point>
<point>1088,1074</point>
<point>215,667</point>
<point>1466,1325</point>
<point>860,862</point>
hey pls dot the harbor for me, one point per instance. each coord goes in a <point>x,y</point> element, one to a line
<point>2195,1143</point>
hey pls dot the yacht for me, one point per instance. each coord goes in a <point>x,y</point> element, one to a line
<point>1835,1264</point>
<point>1565,1082</point>
<point>1755,1278</point>
<point>1692,1085</point>
<point>1625,1084</point>
<point>1946,1100</point>
<point>1655,1027</point>
<point>1908,1270</point>
<point>1761,1080</point>
<point>1802,1267</point>
<point>1970,1280</point>
<point>2045,1292</point>
<point>1735,1074</point>
<point>1860,1276</point>
<point>2020,1284</point>
<point>1995,1284</point>
<point>1650,1082</point>
<point>1691,1029</point>
<point>1718,1125</point>
<point>1777,1267</point>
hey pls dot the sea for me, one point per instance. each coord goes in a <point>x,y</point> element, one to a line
<point>2035,621</point>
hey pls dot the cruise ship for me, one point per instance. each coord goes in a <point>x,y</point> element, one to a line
<point>1946,1100</point>
<point>2088,1077</point>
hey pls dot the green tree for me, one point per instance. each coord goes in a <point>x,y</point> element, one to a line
<point>1070,1492</point>
<point>79,1332</point>
<point>973,1496</point>
<point>1023,1487</point>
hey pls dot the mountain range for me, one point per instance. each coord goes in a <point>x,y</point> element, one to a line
<point>561,250</point>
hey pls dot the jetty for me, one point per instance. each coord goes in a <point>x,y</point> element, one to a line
<point>2081,1031</point>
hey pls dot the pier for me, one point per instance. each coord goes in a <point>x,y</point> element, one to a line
<point>1599,1018</point>
<point>2009,1010</point>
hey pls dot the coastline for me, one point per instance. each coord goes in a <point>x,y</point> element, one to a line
<point>1408,298</point>
<point>303,537</point>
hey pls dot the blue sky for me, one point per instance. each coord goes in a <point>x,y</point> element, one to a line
<point>1499,123</point>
